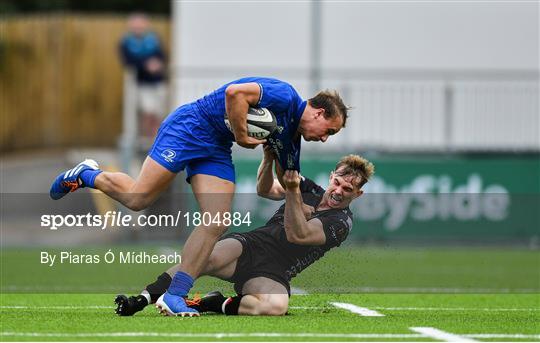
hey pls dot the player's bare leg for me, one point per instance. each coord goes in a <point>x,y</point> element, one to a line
<point>221,264</point>
<point>136,194</point>
<point>222,260</point>
<point>214,196</point>
<point>264,297</point>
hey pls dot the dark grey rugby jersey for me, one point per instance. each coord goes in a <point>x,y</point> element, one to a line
<point>294,258</point>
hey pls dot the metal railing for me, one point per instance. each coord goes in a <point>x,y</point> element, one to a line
<point>412,111</point>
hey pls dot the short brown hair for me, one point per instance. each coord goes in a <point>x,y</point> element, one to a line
<point>331,102</point>
<point>356,166</point>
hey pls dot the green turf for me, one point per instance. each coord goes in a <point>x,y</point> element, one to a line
<point>342,270</point>
<point>460,314</point>
<point>371,277</point>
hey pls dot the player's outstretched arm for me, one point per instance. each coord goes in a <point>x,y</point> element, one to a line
<point>279,175</point>
<point>238,99</point>
<point>298,229</point>
<point>267,185</point>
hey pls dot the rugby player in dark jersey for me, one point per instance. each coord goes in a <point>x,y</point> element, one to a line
<point>262,262</point>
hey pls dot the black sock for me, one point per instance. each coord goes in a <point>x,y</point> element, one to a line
<point>231,305</point>
<point>158,287</point>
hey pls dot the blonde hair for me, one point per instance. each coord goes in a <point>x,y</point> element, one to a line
<point>356,166</point>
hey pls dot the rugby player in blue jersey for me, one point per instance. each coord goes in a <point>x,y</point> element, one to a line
<point>194,137</point>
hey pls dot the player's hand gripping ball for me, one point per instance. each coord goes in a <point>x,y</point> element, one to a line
<point>261,123</point>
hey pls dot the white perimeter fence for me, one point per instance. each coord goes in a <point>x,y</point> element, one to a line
<point>411,111</point>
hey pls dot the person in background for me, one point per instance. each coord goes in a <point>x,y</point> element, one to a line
<point>141,50</point>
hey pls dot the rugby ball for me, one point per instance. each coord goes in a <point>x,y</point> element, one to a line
<point>261,122</point>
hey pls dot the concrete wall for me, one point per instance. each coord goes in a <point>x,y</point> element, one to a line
<point>455,35</point>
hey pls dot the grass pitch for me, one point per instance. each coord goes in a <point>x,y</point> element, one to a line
<point>409,287</point>
<point>348,269</point>
<point>73,317</point>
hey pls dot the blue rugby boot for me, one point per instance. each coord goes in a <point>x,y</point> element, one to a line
<point>175,305</point>
<point>70,180</point>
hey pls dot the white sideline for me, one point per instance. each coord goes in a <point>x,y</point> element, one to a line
<point>365,312</point>
<point>494,309</point>
<point>218,335</point>
<point>298,291</point>
<point>487,309</point>
<point>441,335</point>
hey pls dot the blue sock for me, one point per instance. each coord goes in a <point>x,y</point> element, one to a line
<point>181,284</point>
<point>89,176</point>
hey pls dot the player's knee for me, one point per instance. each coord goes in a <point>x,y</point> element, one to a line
<point>137,202</point>
<point>273,307</point>
<point>213,261</point>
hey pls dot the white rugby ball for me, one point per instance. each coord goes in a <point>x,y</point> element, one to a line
<point>261,122</point>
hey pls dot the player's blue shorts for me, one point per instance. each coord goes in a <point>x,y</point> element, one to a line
<point>186,141</point>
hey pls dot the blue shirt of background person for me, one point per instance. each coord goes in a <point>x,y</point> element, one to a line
<point>141,49</point>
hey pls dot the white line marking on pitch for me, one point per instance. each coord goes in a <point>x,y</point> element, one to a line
<point>298,291</point>
<point>252,334</point>
<point>97,307</point>
<point>441,335</point>
<point>425,308</point>
<point>365,312</point>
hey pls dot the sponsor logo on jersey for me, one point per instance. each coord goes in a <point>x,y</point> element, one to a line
<point>168,155</point>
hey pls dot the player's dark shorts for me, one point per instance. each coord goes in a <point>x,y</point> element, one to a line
<point>255,261</point>
<point>186,141</point>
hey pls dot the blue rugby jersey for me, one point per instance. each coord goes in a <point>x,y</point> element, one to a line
<point>280,98</point>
